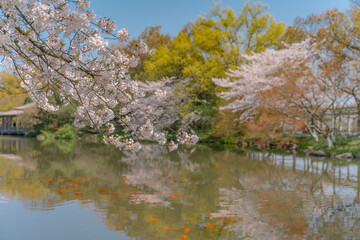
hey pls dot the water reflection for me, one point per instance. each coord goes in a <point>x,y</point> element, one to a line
<point>199,192</point>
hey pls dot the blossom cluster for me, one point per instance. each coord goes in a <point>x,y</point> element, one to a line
<point>61,46</point>
<point>263,72</point>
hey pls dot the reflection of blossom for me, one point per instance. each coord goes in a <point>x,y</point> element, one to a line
<point>10,157</point>
<point>1,200</point>
<point>311,204</point>
<point>146,172</point>
<point>142,184</point>
<point>238,204</point>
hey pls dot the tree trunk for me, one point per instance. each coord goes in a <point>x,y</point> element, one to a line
<point>314,135</point>
<point>329,141</point>
<point>358,118</point>
<point>333,138</point>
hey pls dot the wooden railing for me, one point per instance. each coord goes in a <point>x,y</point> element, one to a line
<point>13,130</point>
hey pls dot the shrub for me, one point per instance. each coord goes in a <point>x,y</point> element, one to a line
<point>66,132</point>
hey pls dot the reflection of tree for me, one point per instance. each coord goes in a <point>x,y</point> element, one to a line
<point>19,181</point>
<point>267,197</point>
<point>276,203</point>
<point>66,145</point>
<point>172,194</point>
<point>154,172</point>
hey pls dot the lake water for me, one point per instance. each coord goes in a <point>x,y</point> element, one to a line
<point>90,191</point>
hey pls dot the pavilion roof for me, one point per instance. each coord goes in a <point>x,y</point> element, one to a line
<point>17,110</point>
<point>11,113</point>
<point>26,106</point>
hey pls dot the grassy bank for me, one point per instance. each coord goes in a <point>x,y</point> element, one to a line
<point>342,144</point>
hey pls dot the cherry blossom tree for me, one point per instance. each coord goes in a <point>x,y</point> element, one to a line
<point>300,83</point>
<point>315,97</point>
<point>61,46</point>
<point>246,83</point>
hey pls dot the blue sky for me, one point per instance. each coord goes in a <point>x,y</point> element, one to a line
<point>172,15</point>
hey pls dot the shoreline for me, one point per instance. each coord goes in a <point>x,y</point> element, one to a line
<point>295,146</point>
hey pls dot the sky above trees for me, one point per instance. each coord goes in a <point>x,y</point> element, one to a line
<point>173,15</point>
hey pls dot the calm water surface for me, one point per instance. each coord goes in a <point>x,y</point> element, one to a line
<point>89,191</point>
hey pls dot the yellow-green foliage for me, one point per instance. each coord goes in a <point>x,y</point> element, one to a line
<point>154,39</point>
<point>11,94</point>
<point>213,43</point>
<point>15,180</point>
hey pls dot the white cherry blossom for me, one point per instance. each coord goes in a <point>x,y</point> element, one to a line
<point>62,46</point>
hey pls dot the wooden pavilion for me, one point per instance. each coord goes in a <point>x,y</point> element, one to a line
<point>10,124</point>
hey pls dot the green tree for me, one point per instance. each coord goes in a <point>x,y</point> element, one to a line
<point>209,46</point>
